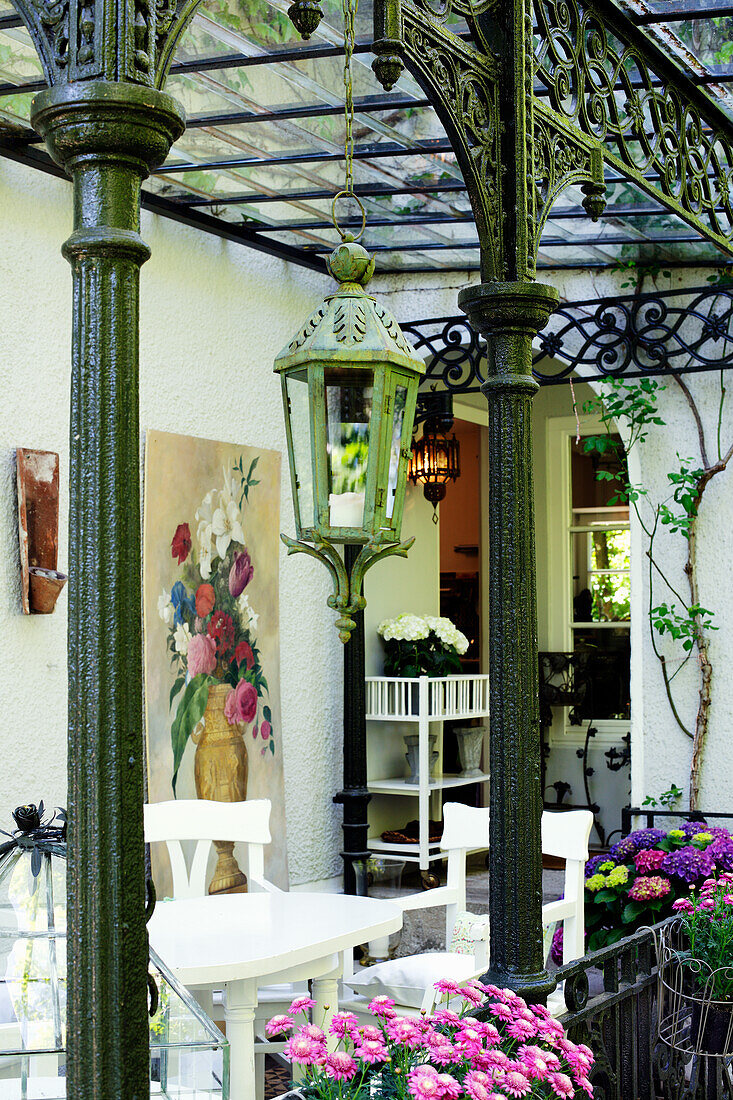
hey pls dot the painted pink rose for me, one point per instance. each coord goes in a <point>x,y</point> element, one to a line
<point>201,655</point>
<point>265,730</point>
<point>241,703</point>
<point>240,574</point>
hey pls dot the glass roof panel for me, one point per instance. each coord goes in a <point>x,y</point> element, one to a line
<point>241,63</point>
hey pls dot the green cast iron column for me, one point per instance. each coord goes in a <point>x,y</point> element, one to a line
<point>509,315</point>
<point>107,137</point>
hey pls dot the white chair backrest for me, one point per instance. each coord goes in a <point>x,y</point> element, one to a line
<point>205,821</point>
<point>564,835</point>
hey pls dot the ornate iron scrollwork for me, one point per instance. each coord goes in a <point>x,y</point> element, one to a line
<point>684,331</point>
<point>618,88</point>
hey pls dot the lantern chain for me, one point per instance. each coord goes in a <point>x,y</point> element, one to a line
<point>349,9</point>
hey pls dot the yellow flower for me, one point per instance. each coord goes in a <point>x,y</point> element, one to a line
<point>607,866</point>
<point>618,876</point>
<point>676,834</point>
<point>595,882</point>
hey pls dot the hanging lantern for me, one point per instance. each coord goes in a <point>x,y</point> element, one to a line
<point>349,384</point>
<point>435,458</point>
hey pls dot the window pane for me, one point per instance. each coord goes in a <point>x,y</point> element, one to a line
<point>610,550</point>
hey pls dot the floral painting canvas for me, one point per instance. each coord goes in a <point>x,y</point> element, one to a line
<point>212,676</point>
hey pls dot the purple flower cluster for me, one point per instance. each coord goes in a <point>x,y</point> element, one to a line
<point>721,850</point>
<point>691,828</point>
<point>689,863</point>
<point>635,842</point>
<point>592,864</point>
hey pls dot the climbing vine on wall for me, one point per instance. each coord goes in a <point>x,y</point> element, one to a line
<point>676,612</point>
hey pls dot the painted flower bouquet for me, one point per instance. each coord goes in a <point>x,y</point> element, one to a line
<point>645,874</point>
<point>418,645</point>
<point>517,1051</point>
<point>211,624</point>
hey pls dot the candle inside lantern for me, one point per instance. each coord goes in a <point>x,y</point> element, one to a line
<point>346,509</point>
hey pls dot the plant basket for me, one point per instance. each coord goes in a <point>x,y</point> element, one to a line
<point>692,1019</point>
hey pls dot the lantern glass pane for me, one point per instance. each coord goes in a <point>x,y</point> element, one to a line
<point>300,427</point>
<point>348,415</point>
<point>400,403</point>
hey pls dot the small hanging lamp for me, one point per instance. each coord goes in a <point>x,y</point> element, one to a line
<point>435,458</point>
<point>349,384</point>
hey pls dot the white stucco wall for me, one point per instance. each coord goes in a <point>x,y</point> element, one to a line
<point>213,317</point>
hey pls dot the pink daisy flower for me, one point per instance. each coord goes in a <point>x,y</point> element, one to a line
<point>369,1031</point>
<point>473,996</point>
<point>444,1053</point>
<point>382,1006</point>
<point>423,1083</point>
<point>304,1050</point>
<point>451,1088</point>
<point>342,1023</point>
<point>561,1085</point>
<point>514,1083</point>
<point>446,1016</point>
<point>446,986</point>
<point>498,1059</point>
<point>279,1024</point>
<point>340,1066</point>
<point>301,1004</point>
<point>371,1051</point>
<point>313,1032</point>
<point>501,1011</point>
<point>478,1085</point>
<point>521,1029</point>
<point>585,1085</point>
<point>403,1030</point>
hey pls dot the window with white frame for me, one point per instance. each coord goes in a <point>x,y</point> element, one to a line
<point>600,610</point>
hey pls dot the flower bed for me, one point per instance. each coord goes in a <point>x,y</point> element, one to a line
<point>518,1050</point>
<point>642,877</point>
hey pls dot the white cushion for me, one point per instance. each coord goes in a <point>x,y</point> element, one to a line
<point>406,980</point>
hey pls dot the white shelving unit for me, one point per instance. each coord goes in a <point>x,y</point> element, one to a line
<point>423,700</point>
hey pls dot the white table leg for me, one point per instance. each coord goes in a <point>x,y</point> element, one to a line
<point>241,998</point>
<point>326,994</point>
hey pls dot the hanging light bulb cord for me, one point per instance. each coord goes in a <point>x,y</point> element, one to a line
<point>349,8</point>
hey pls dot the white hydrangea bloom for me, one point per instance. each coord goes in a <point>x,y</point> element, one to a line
<point>404,628</point>
<point>448,634</point>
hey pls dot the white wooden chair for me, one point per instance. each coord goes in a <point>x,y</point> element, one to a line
<point>204,821</point>
<point>410,980</point>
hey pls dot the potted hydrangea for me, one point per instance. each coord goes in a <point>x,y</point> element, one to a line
<point>517,1050</point>
<point>421,645</point>
<point>641,877</point>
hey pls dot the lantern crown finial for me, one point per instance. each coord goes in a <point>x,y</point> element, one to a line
<point>350,262</point>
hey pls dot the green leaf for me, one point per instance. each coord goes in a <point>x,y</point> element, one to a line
<point>175,689</point>
<point>272,747</point>
<point>606,895</point>
<point>190,711</point>
<point>267,713</point>
<point>614,936</point>
<point>632,910</point>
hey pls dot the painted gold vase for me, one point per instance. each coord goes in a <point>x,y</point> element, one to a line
<point>220,773</point>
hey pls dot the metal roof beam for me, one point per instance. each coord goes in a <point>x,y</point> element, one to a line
<point>368,191</point>
<point>361,152</point>
<point>365,103</point>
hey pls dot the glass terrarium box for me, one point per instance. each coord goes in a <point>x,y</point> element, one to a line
<point>189,1057</point>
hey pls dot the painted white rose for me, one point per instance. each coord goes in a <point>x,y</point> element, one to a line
<point>166,610</point>
<point>226,525</point>
<point>181,638</point>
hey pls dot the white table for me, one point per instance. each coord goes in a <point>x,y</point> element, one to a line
<point>240,941</point>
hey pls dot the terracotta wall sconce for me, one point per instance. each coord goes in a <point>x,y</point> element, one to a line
<point>38,529</point>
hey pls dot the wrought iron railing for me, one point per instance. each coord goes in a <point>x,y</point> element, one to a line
<point>630,816</point>
<point>611,1001</point>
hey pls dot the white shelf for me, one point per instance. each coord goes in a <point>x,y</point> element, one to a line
<point>401,786</point>
<point>409,852</point>
<point>422,700</point>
